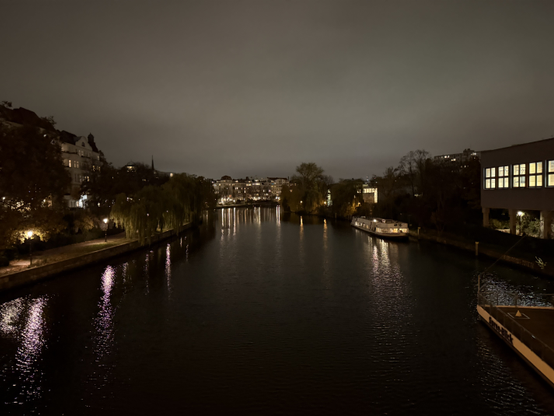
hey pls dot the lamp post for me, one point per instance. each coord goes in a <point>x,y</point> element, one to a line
<point>105,230</point>
<point>520,215</point>
<point>30,237</point>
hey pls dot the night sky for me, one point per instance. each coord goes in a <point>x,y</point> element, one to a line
<point>246,88</point>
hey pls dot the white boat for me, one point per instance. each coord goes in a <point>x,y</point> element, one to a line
<point>382,227</point>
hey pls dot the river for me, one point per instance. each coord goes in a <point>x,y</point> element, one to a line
<point>262,313</point>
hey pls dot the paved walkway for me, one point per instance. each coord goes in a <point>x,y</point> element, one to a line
<point>41,258</point>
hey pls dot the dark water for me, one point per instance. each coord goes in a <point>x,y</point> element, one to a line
<point>262,314</point>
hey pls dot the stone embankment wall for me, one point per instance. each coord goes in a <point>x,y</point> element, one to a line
<point>10,281</point>
<point>482,251</point>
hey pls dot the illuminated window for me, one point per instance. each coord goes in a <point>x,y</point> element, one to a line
<point>503,177</point>
<point>518,180</point>
<point>550,166</point>
<point>77,164</point>
<point>535,174</point>
<point>69,161</point>
<point>490,180</point>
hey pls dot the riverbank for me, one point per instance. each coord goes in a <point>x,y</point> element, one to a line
<point>482,248</point>
<point>249,205</point>
<point>62,259</point>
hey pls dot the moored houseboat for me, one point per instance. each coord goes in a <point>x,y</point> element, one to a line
<point>382,227</point>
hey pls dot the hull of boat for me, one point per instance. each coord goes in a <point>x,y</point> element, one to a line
<point>392,236</point>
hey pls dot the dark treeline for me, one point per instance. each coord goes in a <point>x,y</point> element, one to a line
<point>144,201</point>
<point>34,185</point>
<point>431,192</point>
<point>421,190</point>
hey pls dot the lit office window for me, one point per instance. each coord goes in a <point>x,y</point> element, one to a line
<point>490,180</point>
<point>518,172</point>
<point>550,173</point>
<point>503,177</point>
<point>535,174</point>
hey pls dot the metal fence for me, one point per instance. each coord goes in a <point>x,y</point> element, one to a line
<point>490,304</point>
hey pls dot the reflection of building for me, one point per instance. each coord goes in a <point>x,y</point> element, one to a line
<point>80,157</point>
<point>239,190</point>
<point>519,177</point>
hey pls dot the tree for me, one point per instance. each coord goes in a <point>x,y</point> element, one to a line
<point>33,182</point>
<point>143,214</point>
<point>346,196</point>
<point>157,208</point>
<point>412,166</point>
<point>312,186</point>
<point>107,182</point>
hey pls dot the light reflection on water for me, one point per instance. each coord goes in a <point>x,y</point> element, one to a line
<point>10,313</point>
<point>168,266</point>
<point>23,320</point>
<point>104,322</point>
<point>270,316</point>
<point>501,292</point>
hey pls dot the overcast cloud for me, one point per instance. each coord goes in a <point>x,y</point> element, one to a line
<point>246,88</point>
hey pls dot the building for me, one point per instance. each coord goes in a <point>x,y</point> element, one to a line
<point>519,178</point>
<point>460,158</point>
<point>369,194</point>
<point>239,190</point>
<point>80,157</point>
<point>80,154</point>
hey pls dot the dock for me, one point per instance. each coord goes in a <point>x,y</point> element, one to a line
<point>528,330</point>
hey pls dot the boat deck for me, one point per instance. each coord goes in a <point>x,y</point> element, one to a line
<point>538,321</point>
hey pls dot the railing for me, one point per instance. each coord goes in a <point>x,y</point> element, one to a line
<point>542,350</point>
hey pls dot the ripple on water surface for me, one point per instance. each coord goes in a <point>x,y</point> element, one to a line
<point>258,313</point>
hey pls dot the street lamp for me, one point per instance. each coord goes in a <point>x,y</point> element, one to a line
<point>105,230</point>
<point>30,236</point>
<point>520,215</point>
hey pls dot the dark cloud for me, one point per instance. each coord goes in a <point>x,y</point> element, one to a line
<point>257,87</point>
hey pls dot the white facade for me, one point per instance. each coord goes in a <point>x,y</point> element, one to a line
<point>80,159</point>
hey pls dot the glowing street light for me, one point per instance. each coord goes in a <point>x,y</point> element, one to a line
<point>105,230</point>
<point>520,215</point>
<point>30,236</point>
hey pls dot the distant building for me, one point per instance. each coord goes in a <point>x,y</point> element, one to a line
<point>369,194</point>
<point>518,178</point>
<point>80,154</point>
<point>237,190</point>
<point>460,159</point>
<point>81,157</point>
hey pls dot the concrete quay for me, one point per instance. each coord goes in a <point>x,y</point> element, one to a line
<point>49,263</point>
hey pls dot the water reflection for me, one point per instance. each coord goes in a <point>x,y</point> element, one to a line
<point>10,313</point>
<point>250,331</point>
<point>168,266</point>
<point>23,320</point>
<point>146,272</point>
<point>104,321</point>
<point>233,218</point>
<point>503,292</point>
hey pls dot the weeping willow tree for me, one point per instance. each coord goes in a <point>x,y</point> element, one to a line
<point>179,190</point>
<point>155,209</point>
<point>142,215</point>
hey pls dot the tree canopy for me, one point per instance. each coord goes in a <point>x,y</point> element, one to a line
<point>154,209</point>
<point>308,189</point>
<point>33,182</point>
<point>430,191</point>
